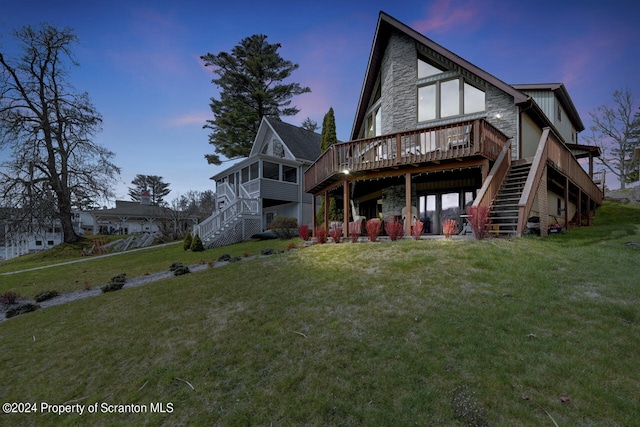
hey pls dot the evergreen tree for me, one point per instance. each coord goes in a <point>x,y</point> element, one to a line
<point>196,244</point>
<point>251,85</point>
<point>153,184</point>
<point>188,240</point>
<point>328,137</point>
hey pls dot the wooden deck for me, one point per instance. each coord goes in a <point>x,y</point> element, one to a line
<point>459,141</point>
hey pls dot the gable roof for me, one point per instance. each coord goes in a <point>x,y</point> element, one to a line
<point>560,91</point>
<point>303,144</point>
<point>386,25</point>
<point>133,210</point>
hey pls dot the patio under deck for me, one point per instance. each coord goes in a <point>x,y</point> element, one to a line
<point>435,146</point>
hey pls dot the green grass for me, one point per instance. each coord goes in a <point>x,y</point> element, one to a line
<point>365,334</point>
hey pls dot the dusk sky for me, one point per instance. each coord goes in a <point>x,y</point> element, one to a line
<point>140,60</point>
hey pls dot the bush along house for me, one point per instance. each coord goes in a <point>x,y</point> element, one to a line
<point>268,183</point>
<point>434,134</point>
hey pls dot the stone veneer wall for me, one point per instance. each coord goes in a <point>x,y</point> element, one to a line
<point>498,102</point>
<point>399,97</point>
<point>393,200</point>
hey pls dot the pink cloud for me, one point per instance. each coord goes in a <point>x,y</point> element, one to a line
<point>189,119</point>
<point>445,15</point>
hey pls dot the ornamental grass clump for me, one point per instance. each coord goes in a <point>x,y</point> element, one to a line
<point>355,229</point>
<point>9,298</point>
<point>394,229</point>
<point>321,235</point>
<point>416,230</point>
<point>303,232</point>
<point>449,227</point>
<point>374,226</point>
<point>336,233</point>
<point>21,309</point>
<point>479,221</point>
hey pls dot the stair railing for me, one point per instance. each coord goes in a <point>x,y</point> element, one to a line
<point>533,179</point>
<point>496,176</point>
<point>241,206</point>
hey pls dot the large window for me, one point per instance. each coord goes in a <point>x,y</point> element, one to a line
<point>449,98</point>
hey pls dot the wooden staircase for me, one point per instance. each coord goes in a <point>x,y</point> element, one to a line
<point>503,213</point>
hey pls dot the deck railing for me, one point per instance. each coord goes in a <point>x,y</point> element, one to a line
<point>470,138</point>
<point>552,151</point>
<point>241,206</point>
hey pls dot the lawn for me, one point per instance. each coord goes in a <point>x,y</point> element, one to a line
<point>506,332</point>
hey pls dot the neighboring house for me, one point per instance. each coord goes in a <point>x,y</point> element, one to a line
<point>131,217</point>
<point>266,184</point>
<point>14,243</point>
<point>434,134</point>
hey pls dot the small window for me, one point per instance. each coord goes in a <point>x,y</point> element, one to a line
<point>245,175</point>
<point>559,113</point>
<point>50,242</point>
<point>38,242</point>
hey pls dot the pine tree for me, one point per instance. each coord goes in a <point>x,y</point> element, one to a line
<point>251,85</point>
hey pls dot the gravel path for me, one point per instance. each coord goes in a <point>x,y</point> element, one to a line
<point>129,283</point>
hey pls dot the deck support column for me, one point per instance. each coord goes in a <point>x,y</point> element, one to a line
<point>326,211</point>
<point>313,215</point>
<point>345,207</point>
<point>409,216</point>
<point>566,203</point>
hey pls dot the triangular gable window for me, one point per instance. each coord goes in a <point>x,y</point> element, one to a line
<point>426,69</point>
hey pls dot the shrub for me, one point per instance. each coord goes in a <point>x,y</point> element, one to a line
<point>321,234</point>
<point>115,284</point>
<point>224,257</point>
<point>449,227</point>
<point>9,298</point>
<point>355,229</point>
<point>196,244</point>
<point>303,232</point>
<point>336,233</point>
<point>394,229</point>
<point>374,226</point>
<point>21,309</point>
<point>175,265</point>
<point>267,251</point>
<point>186,245</point>
<point>416,230</point>
<point>180,270</point>
<point>479,221</point>
<point>284,227</point>
<point>46,295</point>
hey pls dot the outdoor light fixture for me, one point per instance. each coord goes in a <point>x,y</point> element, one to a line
<point>346,171</point>
<point>498,116</point>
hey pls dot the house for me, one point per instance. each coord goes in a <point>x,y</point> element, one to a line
<point>434,134</point>
<point>268,183</point>
<point>133,218</point>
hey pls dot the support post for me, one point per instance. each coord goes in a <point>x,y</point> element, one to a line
<point>345,207</point>
<point>409,217</point>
